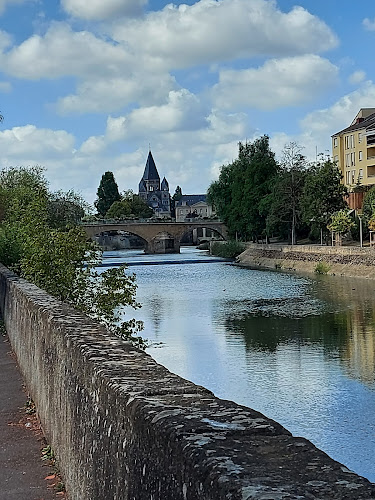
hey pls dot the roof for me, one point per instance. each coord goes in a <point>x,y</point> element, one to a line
<point>368,122</point>
<point>151,172</point>
<point>164,185</point>
<point>191,199</point>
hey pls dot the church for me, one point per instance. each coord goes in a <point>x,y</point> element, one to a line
<point>155,194</point>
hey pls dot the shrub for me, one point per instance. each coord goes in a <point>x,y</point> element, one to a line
<point>322,268</point>
<point>228,249</point>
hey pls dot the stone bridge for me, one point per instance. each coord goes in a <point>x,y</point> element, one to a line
<point>159,237</point>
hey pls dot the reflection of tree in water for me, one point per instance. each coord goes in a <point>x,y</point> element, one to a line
<point>339,315</point>
<point>268,332</point>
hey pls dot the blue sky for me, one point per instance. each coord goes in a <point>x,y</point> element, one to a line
<point>86,86</point>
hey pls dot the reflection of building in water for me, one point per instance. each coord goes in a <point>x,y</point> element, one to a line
<point>357,352</point>
<point>359,355</point>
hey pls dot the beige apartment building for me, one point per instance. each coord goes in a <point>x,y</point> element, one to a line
<point>353,149</point>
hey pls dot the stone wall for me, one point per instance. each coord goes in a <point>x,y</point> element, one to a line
<point>125,428</point>
<point>340,261</point>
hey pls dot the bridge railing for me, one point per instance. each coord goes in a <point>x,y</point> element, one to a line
<point>101,222</point>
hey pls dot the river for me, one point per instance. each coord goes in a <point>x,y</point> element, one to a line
<point>300,349</point>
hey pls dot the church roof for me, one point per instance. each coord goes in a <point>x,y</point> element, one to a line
<point>191,199</point>
<point>150,173</point>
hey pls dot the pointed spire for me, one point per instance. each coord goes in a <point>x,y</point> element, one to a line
<point>151,172</point>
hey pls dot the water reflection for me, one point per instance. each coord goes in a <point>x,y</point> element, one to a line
<point>298,349</point>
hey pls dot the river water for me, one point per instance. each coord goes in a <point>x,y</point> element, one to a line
<point>299,349</point>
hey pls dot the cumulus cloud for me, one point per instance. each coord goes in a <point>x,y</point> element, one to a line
<point>369,24</point>
<point>278,83</point>
<point>210,31</point>
<point>4,4</point>
<point>106,94</point>
<point>35,143</point>
<point>357,77</point>
<point>62,52</point>
<point>316,128</point>
<point>98,10</point>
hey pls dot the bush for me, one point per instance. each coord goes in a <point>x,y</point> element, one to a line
<point>228,249</point>
<point>322,268</point>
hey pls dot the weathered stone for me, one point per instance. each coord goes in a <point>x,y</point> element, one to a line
<point>125,428</point>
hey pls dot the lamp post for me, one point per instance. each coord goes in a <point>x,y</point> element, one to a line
<point>359,215</point>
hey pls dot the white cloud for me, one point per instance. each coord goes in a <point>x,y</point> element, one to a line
<point>210,31</point>
<point>318,127</point>
<point>357,77</point>
<point>35,143</point>
<point>4,4</point>
<point>369,24</point>
<point>106,94</point>
<point>98,10</point>
<point>278,83</point>
<point>62,52</point>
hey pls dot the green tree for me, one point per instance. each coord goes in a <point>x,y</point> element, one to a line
<point>241,195</point>
<point>66,209</point>
<point>107,193</point>
<point>369,204</point>
<point>341,222</point>
<point>323,193</point>
<point>58,257</point>
<point>285,211</point>
<point>177,194</point>
<point>130,205</point>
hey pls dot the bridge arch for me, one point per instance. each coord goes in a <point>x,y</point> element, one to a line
<point>155,231</point>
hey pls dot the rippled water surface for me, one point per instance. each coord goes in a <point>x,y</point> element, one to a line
<point>299,349</point>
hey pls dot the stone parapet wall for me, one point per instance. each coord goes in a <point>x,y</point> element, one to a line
<point>125,428</point>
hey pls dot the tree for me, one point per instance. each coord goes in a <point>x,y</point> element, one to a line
<point>369,203</point>
<point>107,193</point>
<point>58,257</point>
<point>241,195</point>
<point>341,222</point>
<point>130,205</point>
<point>323,193</point>
<point>177,194</point>
<point>66,209</point>
<point>285,212</point>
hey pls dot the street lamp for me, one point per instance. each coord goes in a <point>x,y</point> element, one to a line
<point>360,215</point>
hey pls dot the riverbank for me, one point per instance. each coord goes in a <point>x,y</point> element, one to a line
<point>339,261</point>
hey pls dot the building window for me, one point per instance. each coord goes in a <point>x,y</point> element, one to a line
<point>360,155</point>
<point>335,142</point>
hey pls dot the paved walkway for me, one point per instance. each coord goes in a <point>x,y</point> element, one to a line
<point>22,472</point>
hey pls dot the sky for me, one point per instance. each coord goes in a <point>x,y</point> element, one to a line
<point>88,86</point>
